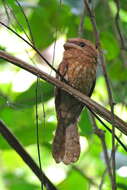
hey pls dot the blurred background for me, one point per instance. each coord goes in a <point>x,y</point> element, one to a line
<point>51,23</point>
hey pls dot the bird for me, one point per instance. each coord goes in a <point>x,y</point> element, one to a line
<point>78,67</point>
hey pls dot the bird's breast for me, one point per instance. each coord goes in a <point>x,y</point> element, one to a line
<point>81,75</point>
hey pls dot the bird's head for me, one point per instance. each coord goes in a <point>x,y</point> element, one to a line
<point>87,47</point>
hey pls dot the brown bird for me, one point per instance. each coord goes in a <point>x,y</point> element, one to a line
<point>78,67</point>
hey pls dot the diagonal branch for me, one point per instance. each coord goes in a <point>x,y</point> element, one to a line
<point>91,104</point>
<point>14,143</point>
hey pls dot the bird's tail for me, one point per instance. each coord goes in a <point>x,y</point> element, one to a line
<point>66,147</point>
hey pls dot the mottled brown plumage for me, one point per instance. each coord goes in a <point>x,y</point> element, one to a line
<point>78,67</point>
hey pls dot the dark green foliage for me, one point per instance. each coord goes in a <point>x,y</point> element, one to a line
<point>85,124</point>
<point>15,182</point>
<point>71,181</point>
<point>27,98</point>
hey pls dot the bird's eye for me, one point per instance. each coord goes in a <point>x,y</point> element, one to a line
<point>82,44</point>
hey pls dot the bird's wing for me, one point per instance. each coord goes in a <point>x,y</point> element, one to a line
<point>63,70</point>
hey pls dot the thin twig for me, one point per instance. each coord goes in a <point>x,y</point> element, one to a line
<point>6,10</point>
<point>105,171</point>
<point>18,23</point>
<point>37,134</point>
<point>102,179</point>
<point>123,52</point>
<point>111,102</point>
<point>91,104</point>
<point>117,2</point>
<point>106,127</point>
<point>81,24</point>
<point>31,45</point>
<point>101,134</point>
<point>92,18</point>
<point>120,35</point>
<point>14,143</point>
<point>27,22</point>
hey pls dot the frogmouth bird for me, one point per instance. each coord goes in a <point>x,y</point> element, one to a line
<point>78,68</point>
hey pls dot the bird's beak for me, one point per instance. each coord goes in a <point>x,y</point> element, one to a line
<point>69,45</point>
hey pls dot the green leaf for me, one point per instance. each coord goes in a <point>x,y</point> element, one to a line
<point>19,21</point>
<point>85,124</point>
<point>121,183</point>
<point>74,180</point>
<point>17,120</point>
<point>88,24</point>
<point>18,182</point>
<point>3,48</point>
<point>109,45</point>
<point>117,71</point>
<point>28,98</point>
<point>22,123</point>
<point>3,101</point>
<point>118,94</point>
<point>44,20</point>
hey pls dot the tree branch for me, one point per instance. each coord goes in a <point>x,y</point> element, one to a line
<point>91,104</point>
<point>14,143</point>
